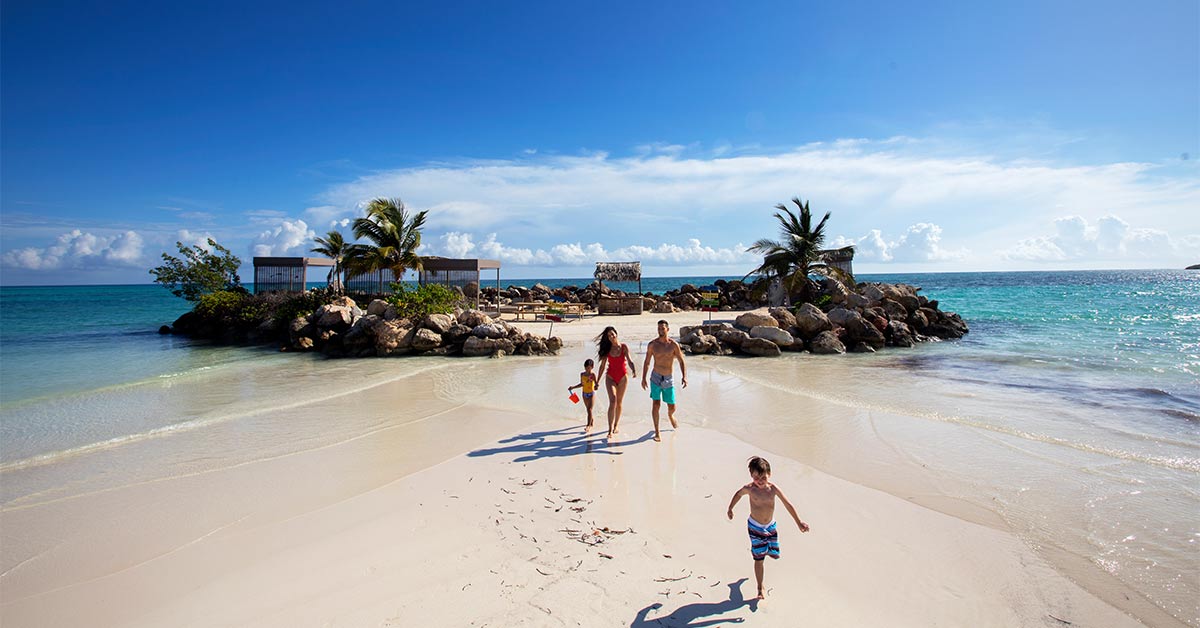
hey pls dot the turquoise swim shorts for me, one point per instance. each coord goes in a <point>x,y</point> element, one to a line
<point>662,388</point>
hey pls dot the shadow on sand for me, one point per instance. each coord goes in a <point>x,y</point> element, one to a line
<point>569,441</point>
<point>693,615</point>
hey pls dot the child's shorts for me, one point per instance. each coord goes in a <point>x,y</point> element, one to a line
<point>764,540</point>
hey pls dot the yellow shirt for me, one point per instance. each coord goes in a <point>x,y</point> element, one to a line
<point>588,382</point>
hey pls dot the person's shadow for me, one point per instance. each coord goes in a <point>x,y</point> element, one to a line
<point>569,441</point>
<point>687,614</point>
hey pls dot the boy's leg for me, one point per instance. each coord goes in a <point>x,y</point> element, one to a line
<point>758,575</point>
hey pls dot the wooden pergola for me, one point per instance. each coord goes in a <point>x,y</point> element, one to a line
<point>619,271</point>
<point>284,274</point>
<point>457,272</point>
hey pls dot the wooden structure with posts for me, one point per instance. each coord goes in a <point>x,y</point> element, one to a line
<point>619,271</point>
<point>842,258</point>
<point>458,273</point>
<point>284,274</point>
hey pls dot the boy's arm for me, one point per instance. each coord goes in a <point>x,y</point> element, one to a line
<point>682,366</point>
<point>645,368</point>
<point>803,526</point>
<point>733,502</point>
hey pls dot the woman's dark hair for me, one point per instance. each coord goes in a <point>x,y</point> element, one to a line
<point>604,343</point>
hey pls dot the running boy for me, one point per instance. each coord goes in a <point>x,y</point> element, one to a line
<point>764,537</point>
<point>587,381</point>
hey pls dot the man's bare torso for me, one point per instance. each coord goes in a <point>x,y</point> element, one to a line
<point>663,352</point>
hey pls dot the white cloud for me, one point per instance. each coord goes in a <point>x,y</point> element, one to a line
<point>668,192</point>
<point>1109,239</point>
<point>459,244</point>
<point>920,243</point>
<point>79,250</point>
<point>189,238</point>
<point>289,237</point>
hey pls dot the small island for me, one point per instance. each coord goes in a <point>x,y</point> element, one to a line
<point>782,309</point>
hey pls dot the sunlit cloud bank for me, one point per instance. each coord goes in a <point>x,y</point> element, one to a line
<point>1110,238</point>
<point>79,250</point>
<point>899,201</point>
<point>457,244</point>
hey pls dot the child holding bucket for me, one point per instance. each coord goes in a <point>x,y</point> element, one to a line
<point>587,381</point>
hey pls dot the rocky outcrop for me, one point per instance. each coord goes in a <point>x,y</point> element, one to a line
<point>869,318</point>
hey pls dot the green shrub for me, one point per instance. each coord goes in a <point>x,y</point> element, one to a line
<point>823,300</point>
<point>425,299</point>
<point>230,307</point>
<point>199,271</point>
<point>287,308</point>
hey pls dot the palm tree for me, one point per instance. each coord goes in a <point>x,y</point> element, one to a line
<point>798,255</point>
<point>395,237</point>
<point>333,246</point>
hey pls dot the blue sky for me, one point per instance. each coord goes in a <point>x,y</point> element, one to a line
<point>945,136</point>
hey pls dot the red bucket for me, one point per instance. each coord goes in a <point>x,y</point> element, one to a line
<point>574,398</point>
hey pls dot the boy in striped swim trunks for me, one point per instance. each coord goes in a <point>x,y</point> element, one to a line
<point>764,537</point>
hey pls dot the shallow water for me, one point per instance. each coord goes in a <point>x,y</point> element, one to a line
<point>1069,414</point>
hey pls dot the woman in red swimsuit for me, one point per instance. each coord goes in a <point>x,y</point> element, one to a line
<point>614,356</point>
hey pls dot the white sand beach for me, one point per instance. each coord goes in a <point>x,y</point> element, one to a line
<point>465,493</point>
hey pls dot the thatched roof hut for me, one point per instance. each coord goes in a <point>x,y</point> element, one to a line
<point>619,271</point>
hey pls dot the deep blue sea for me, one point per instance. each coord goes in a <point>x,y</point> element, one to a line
<point>1071,410</point>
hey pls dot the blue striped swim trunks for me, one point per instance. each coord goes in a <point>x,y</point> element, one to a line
<point>764,540</point>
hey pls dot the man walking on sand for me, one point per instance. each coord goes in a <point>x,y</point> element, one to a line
<point>664,351</point>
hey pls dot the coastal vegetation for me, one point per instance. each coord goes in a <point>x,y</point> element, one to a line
<point>335,247</point>
<point>798,252</point>
<point>394,235</point>
<point>199,271</point>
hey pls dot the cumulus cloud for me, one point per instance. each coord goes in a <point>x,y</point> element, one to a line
<point>459,244</point>
<point>1109,239</point>
<point>191,238</point>
<point>970,204</point>
<point>289,237</point>
<point>921,242</point>
<point>79,250</point>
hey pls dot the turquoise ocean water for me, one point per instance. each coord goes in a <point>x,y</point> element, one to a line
<point>1083,386</point>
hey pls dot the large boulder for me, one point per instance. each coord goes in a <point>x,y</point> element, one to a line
<point>703,344</point>
<point>898,334</point>
<point>861,330</point>
<point>474,318</point>
<point>750,320</point>
<point>760,347</point>
<point>826,343</point>
<point>438,323</point>
<point>456,334</point>
<point>894,310</point>
<point>425,339</point>
<point>810,320</point>
<point>663,307</point>
<point>783,316</point>
<point>732,337</point>
<point>476,346</point>
<point>490,330</point>
<point>392,338</point>
<point>843,317</point>
<point>471,290</point>
<point>377,307</point>
<point>333,316</point>
<point>776,335</point>
<point>344,302</point>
